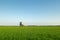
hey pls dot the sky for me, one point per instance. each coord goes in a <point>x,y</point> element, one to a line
<point>30,12</point>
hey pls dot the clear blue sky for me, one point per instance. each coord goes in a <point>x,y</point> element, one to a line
<point>29,12</point>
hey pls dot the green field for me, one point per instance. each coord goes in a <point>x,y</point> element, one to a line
<point>29,33</point>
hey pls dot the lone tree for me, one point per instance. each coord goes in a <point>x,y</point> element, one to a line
<point>21,24</point>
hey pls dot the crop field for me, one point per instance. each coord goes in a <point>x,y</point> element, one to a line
<point>29,33</point>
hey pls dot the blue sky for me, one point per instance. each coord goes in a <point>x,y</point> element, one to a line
<point>29,12</point>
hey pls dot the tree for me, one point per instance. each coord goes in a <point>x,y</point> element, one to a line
<point>21,24</point>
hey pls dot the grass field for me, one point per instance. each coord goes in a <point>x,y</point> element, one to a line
<point>29,33</point>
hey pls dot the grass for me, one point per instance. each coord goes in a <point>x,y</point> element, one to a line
<point>29,33</point>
